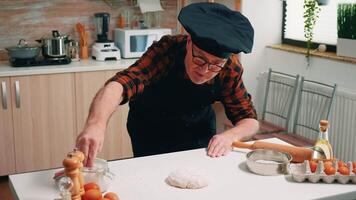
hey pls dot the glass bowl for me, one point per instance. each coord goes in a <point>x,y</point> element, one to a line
<point>99,174</point>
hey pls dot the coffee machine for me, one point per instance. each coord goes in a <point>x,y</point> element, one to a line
<point>103,48</point>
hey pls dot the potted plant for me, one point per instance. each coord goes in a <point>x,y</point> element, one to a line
<point>310,15</point>
<point>346,30</point>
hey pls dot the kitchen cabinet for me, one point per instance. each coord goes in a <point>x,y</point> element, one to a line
<point>117,143</point>
<point>43,108</point>
<point>7,155</point>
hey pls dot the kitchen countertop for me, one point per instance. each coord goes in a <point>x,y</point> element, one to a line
<point>81,66</point>
<point>144,178</point>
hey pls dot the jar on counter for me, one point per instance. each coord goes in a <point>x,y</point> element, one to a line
<point>73,50</point>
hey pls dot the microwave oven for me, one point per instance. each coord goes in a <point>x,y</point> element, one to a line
<point>134,42</point>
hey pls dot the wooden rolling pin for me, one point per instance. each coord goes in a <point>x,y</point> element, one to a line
<point>299,154</point>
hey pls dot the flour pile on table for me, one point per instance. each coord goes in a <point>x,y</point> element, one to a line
<point>187,179</point>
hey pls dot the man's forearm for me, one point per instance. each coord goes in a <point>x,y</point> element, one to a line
<point>244,129</point>
<point>105,103</point>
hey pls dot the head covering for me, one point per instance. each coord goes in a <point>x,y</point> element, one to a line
<point>216,29</point>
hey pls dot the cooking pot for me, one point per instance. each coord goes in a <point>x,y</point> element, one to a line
<point>23,50</point>
<point>54,46</point>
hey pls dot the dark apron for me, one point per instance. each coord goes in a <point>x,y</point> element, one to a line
<point>173,114</point>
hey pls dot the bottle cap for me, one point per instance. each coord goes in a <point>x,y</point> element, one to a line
<point>324,124</point>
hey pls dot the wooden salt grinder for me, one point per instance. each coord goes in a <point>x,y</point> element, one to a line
<point>72,165</point>
<point>80,156</point>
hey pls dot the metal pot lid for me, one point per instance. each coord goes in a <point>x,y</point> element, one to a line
<point>55,35</point>
<point>23,45</point>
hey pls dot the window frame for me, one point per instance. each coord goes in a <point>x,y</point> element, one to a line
<point>299,43</point>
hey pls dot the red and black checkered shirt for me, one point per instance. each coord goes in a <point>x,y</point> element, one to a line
<point>155,63</point>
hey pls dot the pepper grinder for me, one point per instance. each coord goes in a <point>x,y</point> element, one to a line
<point>72,165</point>
<point>80,156</point>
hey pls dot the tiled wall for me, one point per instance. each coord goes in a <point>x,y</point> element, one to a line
<point>32,19</point>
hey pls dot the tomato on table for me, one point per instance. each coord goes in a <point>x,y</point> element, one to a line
<point>92,194</point>
<point>111,196</point>
<point>90,186</point>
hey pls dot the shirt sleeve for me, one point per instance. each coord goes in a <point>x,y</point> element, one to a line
<point>235,98</point>
<point>152,65</point>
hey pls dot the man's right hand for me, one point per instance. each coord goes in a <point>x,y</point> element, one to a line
<point>90,142</point>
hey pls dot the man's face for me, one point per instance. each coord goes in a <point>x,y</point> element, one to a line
<point>200,65</point>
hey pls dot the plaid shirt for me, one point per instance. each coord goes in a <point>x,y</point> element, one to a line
<point>157,60</point>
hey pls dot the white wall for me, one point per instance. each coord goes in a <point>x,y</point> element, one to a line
<point>266,19</point>
<point>321,69</point>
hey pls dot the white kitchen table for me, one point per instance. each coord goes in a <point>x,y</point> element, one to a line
<point>144,179</point>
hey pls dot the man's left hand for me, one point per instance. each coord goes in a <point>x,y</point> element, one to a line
<point>220,145</point>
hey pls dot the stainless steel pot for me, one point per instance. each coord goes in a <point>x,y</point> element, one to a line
<point>23,50</point>
<point>55,46</point>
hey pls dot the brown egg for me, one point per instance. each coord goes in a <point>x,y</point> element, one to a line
<point>313,165</point>
<point>344,170</point>
<point>329,170</point>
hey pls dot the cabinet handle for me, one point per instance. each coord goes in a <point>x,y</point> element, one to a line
<point>17,94</point>
<point>4,95</point>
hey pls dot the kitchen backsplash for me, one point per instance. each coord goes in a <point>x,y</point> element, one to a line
<point>32,19</point>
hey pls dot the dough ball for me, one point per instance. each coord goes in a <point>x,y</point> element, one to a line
<point>187,179</point>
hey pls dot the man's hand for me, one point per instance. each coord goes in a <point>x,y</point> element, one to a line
<point>220,145</point>
<point>90,142</point>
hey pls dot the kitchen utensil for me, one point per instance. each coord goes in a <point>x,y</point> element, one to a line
<point>73,50</point>
<point>83,41</point>
<point>23,50</point>
<point>268,162</point>
<point>99,174</point>
<point>299,154</point>
<point>54,46</point>
<point>103,48</point>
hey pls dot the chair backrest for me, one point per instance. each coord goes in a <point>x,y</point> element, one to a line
<point>279,97</point>
<point>314,103</point>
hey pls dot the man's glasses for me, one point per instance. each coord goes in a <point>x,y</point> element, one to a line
<point>201,62</point>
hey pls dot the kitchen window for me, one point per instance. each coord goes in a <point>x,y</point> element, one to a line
<point>325,30</point>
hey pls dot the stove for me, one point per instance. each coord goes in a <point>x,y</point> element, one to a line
<point>41,61</point>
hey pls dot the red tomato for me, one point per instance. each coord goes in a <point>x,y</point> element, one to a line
<point>329,170</point>
<point>90,186</point>
<point>354,164</point>
<point>92,194</point>
<point>344,170</point>
<point>313,165</point>
<point>111,196</point>
<point>354,170</point>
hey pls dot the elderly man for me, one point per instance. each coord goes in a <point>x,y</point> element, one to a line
<point>170,89</point>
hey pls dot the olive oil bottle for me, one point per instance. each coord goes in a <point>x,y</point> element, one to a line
<point>322,147</point>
